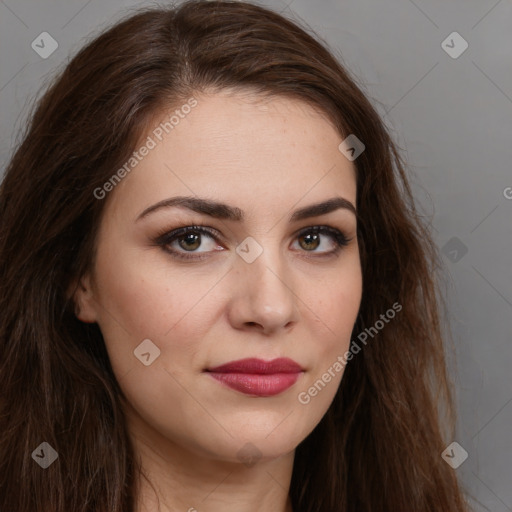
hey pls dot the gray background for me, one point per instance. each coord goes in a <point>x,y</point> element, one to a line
<point>453,119</point>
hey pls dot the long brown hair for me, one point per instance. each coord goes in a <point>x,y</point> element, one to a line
<point>378,447</point>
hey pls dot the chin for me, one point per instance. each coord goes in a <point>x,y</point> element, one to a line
<point>254,446</point>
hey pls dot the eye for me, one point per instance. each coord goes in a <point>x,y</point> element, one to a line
<point>311,238</point>
<point>189,239</point>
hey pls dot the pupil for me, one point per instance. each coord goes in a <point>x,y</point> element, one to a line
<point>191,238</point>
<point>310,240</point>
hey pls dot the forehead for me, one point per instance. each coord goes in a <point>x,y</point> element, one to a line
<point>238,147</point>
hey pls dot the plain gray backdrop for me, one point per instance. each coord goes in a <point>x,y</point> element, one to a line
<point>449,109</point>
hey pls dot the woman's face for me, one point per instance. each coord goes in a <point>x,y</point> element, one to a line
<point>259,283</point>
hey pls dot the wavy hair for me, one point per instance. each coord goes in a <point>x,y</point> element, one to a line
<point>378,447</point>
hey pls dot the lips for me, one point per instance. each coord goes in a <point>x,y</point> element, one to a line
<point>257,377</point>
<point>258,366</point>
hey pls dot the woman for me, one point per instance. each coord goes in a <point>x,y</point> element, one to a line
<point>216,291</point>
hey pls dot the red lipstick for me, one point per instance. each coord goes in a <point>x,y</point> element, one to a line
<point>257,377</point>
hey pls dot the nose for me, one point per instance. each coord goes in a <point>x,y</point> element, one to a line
<point>263,295</point>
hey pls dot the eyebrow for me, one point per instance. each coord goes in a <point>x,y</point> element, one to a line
<point>223,211</point>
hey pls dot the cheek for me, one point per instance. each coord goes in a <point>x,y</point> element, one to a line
<point>146,296</point>
<point>339,301</point>
<point>337,309</point>
<point>142,300</point>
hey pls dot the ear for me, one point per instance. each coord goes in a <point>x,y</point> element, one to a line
<point>83,298</point>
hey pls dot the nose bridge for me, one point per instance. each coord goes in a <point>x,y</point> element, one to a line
<point>265,292</point>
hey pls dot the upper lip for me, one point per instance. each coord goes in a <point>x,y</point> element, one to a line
<point>258,366</point>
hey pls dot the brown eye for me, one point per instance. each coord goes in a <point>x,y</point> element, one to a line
<point>311,241</point>
<point>185,243</point>
<point>312,238</point>
<point>192,241</point>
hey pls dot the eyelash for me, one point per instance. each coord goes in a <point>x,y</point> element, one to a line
<point>165,238</point>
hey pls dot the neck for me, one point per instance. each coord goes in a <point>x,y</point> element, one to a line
<point>174,478</point>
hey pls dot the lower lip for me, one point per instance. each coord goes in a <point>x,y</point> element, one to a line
<point>256,384</point>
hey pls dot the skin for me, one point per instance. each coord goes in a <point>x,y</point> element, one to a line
<point>267,156</point>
